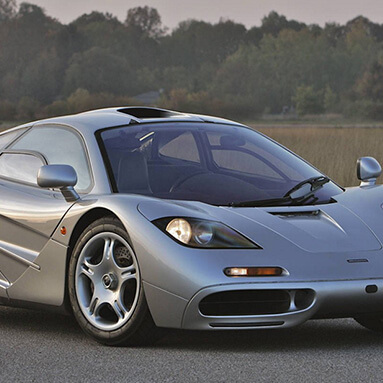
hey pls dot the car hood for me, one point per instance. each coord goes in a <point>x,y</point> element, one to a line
<point>329,228</point>
<point>326,228</point>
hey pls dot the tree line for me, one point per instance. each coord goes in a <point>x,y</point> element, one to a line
<point>282,66</point>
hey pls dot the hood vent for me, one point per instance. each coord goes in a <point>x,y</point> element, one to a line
<point>296,214</point>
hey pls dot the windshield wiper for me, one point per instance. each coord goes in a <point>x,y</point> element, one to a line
<point>297,195</point>
<point>315,182</point>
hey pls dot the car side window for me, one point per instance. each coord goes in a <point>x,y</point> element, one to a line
<point>233,153</point>
<point>7,138</point>
<point>58,145</point>
<point>182,147</point>
<point>21,167</point>
<point>242,162</point>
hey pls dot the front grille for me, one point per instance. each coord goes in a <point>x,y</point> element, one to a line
<point>245,302</point>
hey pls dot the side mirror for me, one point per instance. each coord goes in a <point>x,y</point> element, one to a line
<point>63,177</point>
<point>368,170</point>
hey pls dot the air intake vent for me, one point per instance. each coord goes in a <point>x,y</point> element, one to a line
<point>245,302</point>
<point>143,113</point>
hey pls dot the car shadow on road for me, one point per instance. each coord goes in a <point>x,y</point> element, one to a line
<point>327,335</point>
<point>319,334</point>
<point>15,319</point>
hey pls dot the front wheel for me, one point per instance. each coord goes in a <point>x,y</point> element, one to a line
<point>105,286</point>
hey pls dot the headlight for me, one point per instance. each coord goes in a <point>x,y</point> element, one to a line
<point>204,233</point>
<point>180,229</point>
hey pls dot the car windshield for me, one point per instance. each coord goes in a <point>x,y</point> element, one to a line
<point>212,163</point>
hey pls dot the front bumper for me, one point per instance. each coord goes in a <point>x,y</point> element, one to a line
<point>330,299</point>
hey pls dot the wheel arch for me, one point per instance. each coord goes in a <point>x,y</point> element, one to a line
<point>86,219</point>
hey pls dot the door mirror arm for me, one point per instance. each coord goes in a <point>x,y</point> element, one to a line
<point>61,177</point>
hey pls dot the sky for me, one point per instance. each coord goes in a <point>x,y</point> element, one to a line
<point>248,12</point>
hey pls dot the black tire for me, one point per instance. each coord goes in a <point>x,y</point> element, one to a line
<point>371,323</point>
<point>139,328</point>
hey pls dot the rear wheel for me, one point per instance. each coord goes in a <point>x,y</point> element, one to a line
<point>371,323</point>
<point>105,286</point>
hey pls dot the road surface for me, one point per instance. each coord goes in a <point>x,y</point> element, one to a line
<point>45,347</point>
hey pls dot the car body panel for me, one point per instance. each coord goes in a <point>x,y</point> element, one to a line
<point>45,284</point>
<point>176,275</point>
<point>332,299</point>
<point>320,228</point>
<point>26,226</point>
<point>333,249</point>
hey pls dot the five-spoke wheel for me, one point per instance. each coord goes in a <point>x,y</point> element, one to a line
<point>107,281</point>
<point>105,286</point>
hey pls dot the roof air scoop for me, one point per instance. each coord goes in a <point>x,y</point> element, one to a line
<point>145,112</point>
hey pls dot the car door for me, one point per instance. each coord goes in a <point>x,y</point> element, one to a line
<point>29,214</point>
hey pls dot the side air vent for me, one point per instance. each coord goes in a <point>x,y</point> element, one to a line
<point>143,113</point>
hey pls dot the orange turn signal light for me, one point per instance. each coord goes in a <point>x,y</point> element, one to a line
<point>255,271</point>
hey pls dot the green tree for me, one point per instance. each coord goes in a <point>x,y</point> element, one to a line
<point>194,43</point>
<point>7,110</point>
<point>97,70</point>
<point>274,23</point>
<point>26,42</point>
<point>308,101</point>
<point>33,11</point>
<point>370,85</point>
<point>39,80</point>
<point>333,33</point>
<point>147,20</point>
<point>7,9</point>
<point>98,29</point>
<point>27,108</point>
<point>254,36</point>
<point>220,67</point>
<point>330,100</point>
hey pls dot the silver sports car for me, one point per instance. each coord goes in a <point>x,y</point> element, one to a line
<point>139,218</point>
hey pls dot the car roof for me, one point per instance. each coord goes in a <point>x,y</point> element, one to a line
<point>110,117</point>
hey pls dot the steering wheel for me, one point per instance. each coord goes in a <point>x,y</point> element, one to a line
<point>185,178</point>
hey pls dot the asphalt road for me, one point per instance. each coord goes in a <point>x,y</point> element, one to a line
<point>44,347</point>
